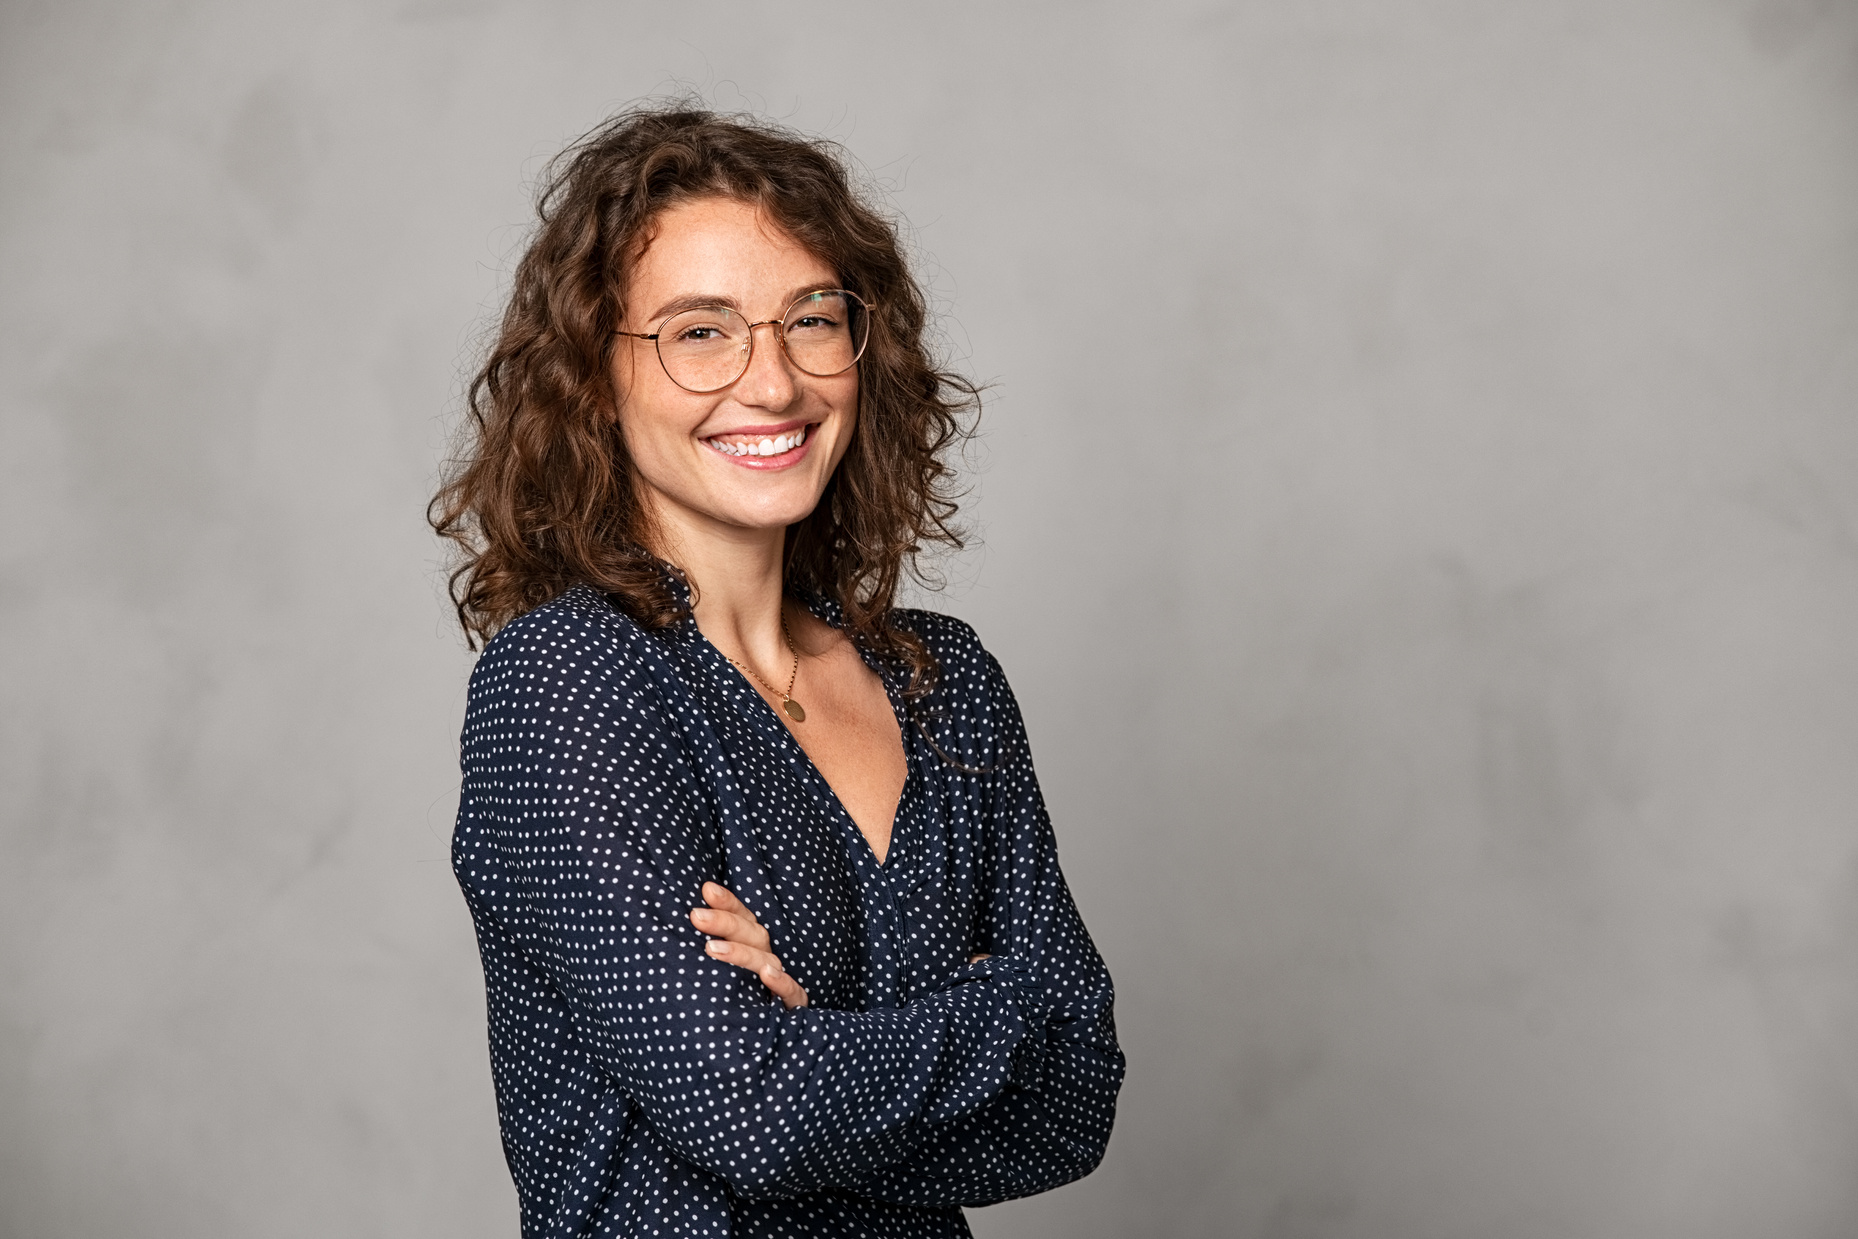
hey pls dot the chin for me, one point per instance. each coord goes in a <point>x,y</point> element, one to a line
<point>754,507</point>
<point>775,517</point>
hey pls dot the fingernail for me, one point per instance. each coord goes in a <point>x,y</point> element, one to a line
<point>716,946</point>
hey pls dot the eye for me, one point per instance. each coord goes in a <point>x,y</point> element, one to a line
<point>814,321</point>
<point>695,334</point>
<point>703,327</point>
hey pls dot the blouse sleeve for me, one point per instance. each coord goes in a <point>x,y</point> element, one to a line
<point>1051,1123</point>
<point>582,844</point>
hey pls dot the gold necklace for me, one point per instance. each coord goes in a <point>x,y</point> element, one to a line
<point>794,709</point>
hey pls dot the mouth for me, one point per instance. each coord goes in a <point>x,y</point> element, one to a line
<point>763,450</point>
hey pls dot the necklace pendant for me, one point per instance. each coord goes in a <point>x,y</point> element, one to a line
<point>795,710</point>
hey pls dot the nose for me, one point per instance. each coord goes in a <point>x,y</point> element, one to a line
<point>769,381</point>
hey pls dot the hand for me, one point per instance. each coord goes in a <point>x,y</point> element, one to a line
<point>975,959</point>
<point>738,938</point>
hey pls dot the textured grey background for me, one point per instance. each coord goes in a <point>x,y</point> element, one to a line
<point>1417,511</point>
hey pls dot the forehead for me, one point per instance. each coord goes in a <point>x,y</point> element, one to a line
<point>720,246</point>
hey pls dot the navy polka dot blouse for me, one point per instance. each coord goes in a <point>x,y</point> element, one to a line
<point>645,1088</point>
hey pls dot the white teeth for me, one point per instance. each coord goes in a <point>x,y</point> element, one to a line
<point>772,446</point>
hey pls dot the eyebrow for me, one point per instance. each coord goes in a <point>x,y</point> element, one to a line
<point>696,301</point>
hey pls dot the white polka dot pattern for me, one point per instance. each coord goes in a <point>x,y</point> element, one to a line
<point>647,1089</point>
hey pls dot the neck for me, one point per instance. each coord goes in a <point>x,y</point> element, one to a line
<point>738,578</point>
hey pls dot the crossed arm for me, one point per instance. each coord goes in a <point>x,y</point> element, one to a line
<point>738,938</point>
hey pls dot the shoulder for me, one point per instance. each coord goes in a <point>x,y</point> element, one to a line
<point>971,709</point>
<point>966,666</point>
<point>576,628</point>
<point>939,630</point>
<point>568,647</point>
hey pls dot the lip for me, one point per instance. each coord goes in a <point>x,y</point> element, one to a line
<point>761,431</point>
<point>785,460</point>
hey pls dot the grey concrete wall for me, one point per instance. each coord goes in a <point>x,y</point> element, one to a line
<point>1417,512</point>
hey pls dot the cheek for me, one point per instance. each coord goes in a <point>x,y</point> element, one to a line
<point>653,420</point>
<point>847,405</point>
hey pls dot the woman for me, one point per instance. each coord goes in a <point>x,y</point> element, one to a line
<point>774,935</point>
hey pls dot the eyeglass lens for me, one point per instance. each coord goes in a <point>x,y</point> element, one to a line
<point>708,348</point>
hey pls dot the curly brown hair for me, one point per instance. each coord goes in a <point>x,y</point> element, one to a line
<point>543,497</point>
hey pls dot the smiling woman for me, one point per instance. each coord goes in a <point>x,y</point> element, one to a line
<point>753,966</point>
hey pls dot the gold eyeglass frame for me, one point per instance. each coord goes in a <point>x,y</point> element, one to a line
<point>780,334</point>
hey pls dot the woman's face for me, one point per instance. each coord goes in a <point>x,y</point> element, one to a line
<point>717,251</point>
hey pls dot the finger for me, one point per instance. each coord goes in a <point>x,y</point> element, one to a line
<point>730,925</point>
<point>719,897</point>
<point>754,959</point>
<point>791,993</point>
<point>975,959</point>
<point>764,965</point>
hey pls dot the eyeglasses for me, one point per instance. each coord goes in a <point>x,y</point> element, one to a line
<point>707,348</point>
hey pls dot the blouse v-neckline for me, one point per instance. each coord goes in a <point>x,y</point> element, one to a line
<point>796,753</point>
